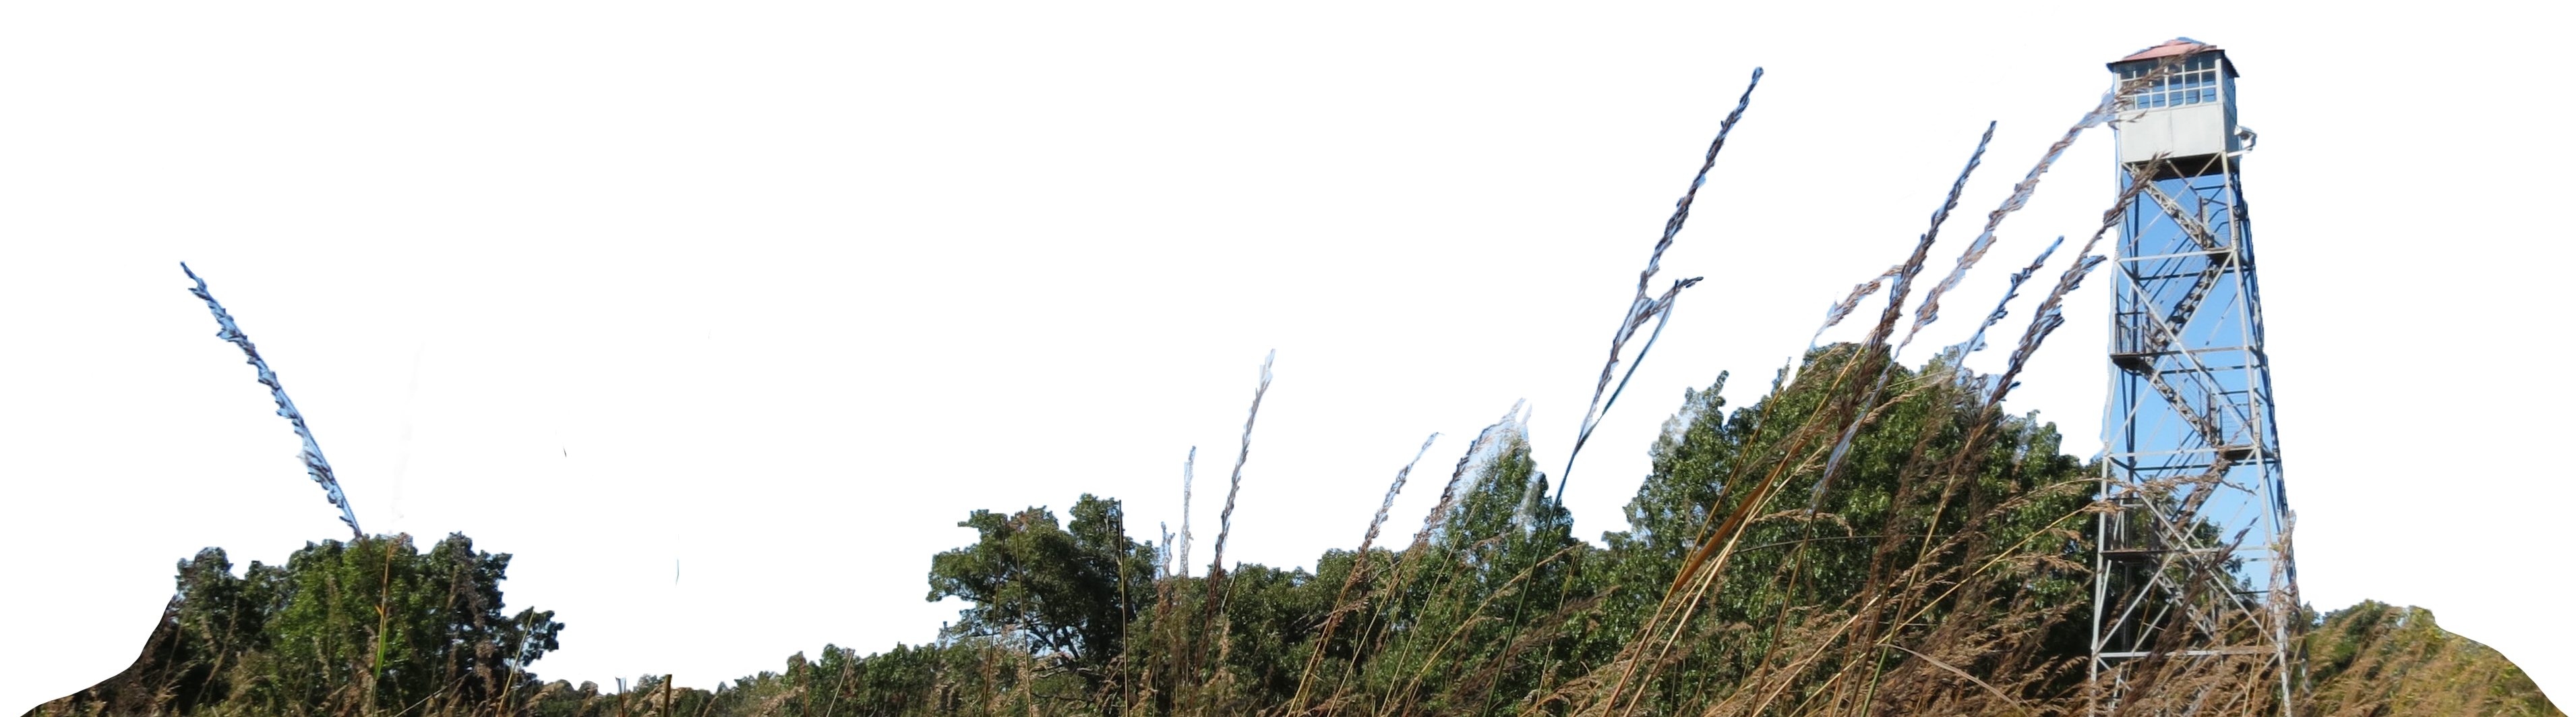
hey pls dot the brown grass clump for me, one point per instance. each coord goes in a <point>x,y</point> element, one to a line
<point>2377,659</point>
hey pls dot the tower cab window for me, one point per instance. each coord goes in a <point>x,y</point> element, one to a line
<point>2195,82</point>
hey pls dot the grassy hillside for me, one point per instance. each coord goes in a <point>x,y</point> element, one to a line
<point>2374,659</point>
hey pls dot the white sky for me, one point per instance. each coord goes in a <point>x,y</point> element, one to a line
<point>777,294</point>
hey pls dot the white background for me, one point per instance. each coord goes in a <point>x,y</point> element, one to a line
<point>720,318</point>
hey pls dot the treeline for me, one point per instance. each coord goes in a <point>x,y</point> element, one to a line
<point>1828,550</point>
<point>1930,559</point>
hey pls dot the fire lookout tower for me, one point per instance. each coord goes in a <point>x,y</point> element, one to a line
<point>2195,565</point>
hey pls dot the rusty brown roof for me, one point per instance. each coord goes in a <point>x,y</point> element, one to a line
<point>2176,46</point>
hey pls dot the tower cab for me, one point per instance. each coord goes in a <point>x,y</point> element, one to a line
<point>2180,101</point>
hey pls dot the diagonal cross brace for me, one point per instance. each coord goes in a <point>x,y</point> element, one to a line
<point>2190,556</point>
<point>2190,303</point>
<point>2194,560</point>
<point>2169,332</point>
<point>2200,234</point>
<point>2207,428</point>
<point>2191,225</point>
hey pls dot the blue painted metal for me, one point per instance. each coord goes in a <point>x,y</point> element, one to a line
<point>2196,563</point>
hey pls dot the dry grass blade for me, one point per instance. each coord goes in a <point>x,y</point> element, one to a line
<point>1843,309</point>
<point>1181,555</point>
<point>2050,313</point>
<point>1878,335</point>
<point>1699,571</point>
<point>402,442</point>
<point>1234,485</point>
<point>1394,488</point>
<point>1342,607</point>
<point>1449,494</point>
<point>1642,308</point>
<point>1930,310</point>
<point>1417,551</point>
<point>1212,622</point>
<point>1913,264</point>
<point>1662,312</point>
<point>1990,689</point>
<point>314,464</point>
<point>1508,588</point>
<point>1977,342</point>
<point>1682,207</point>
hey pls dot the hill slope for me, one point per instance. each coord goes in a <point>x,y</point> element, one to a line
<point>2376,659</point>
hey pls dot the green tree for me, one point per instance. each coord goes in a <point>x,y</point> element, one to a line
<point>368,626</point>
<point>1466,619</point>
<point>1070,590</point>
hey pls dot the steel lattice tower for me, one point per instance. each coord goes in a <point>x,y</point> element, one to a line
<point>2195,564</point>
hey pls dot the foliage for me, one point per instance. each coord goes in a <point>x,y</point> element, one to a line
<point>1934,572</point>
<point>1068,593</point>
<point>361,627</point>
<point>1831,585</point>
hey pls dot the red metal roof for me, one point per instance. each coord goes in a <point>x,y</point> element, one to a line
<point>2176,46</point>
